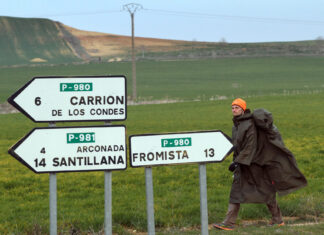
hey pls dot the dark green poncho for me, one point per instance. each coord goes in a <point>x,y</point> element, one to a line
<point>266,166</point>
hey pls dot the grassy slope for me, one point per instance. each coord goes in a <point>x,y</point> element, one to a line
<point>24,195</point>
<point>189,80</point>
<point>176,190</point>
<point>22,40</point>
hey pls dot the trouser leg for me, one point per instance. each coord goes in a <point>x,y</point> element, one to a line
<point>232,212</point>
<point>275,212</point>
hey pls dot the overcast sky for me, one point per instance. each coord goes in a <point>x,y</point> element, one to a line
<point>200,20</point>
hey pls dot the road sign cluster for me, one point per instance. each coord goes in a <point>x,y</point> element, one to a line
<point>67,99</point>
<point>102,148</point>
<point>99,98</point>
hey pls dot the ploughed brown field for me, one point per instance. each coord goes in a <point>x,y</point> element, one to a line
<point>104,44</point>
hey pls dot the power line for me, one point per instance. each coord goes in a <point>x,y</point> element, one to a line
<point>80,13</point>
<point>233,17</point>
<point>197,15</point>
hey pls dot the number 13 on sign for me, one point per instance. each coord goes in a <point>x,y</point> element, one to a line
<point>209,152</point>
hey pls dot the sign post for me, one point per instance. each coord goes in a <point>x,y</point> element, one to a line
<point>178,148</point>
<point>53,203</point>
<point>149,201</point>
<point>108,199</point>
<point>203,199</point>
<point>72,149</point>
<point>108,203</point>
<point>94,148</point>
<point>53,199</point>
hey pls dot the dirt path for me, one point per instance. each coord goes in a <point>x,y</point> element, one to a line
<point>290,221</point>
<point>7,108</point>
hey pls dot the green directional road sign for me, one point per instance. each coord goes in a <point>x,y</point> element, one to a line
<point>68,99</point>
<point>60,149</point>
<point>176,148</point>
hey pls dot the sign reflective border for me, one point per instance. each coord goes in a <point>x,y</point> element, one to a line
<point>67,99</point>
<point>61,149</point>
<point>177,148</point>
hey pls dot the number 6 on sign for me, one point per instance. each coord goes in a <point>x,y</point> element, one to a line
<point>38,101</point>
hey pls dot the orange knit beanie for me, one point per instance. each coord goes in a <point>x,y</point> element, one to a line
<point>239,102</point>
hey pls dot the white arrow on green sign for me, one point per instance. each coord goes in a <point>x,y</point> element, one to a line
<point>176,148</point>
<point>61,149</point>
<point>67,99</point>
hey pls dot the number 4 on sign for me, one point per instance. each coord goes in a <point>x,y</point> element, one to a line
<point>43,151</point>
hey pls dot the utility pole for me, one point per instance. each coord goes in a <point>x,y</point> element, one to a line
<point>132,8</point>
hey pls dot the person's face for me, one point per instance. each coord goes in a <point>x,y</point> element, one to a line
<point>237,110</point>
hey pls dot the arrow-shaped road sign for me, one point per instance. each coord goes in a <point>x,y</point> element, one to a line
<point>176,148</point>
<point>66,99</point>
<point>61,149</point>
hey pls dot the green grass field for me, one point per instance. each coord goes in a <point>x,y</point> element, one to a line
<point>298,115</point>
<point>190,80</point>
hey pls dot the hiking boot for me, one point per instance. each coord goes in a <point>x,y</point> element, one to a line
<point>223,226</point>
<point>272,224</point>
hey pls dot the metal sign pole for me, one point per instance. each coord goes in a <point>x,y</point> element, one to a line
<point>108,199</point>
<point>53,199</point>
<point>53,204</point>
<point>203,199</point>
<point>149,201</point>
<point>108,203</point>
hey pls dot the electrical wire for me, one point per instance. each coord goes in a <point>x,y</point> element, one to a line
<point>231,17</point>
<point>80,13</point>
<point>198,15</point>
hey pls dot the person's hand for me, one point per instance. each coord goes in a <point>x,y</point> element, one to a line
<point>233,166</point>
